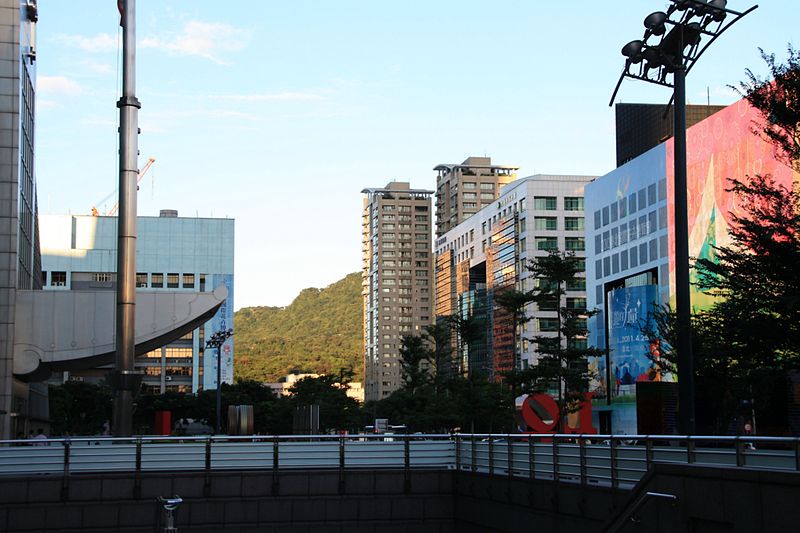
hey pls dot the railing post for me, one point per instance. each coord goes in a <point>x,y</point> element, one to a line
<point>341,464</point>
<point>407,463</point>
<point>531,458</point>
<point>613,462</point>
<point>473,452</point>
<point>491,456</point>
<point>207,483</point>
<point>510,457</point>
<point>739,450</point>
<point>582,451</point>
<point>555,458</point>
<point>458,452</point>
<point>65,476</point>
<point>797,454</point>
<point>275,463</point>
<point>648,453</point>
<point>137,477</point>
<point>689,450</point>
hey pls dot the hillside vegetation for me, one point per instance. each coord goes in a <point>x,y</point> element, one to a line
<point>320,332</point>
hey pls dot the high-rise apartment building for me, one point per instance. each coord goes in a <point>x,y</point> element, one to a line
<point>397,285</point>
<point>463,190</point>
<point>488,253</point>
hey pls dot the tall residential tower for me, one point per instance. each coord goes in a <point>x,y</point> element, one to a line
<point>462,190</point>
<point>397,284</point>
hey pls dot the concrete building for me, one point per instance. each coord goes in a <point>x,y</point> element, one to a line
<point>397,285</point>
<point>462,190</point>
<point>487,253</point>
<point>187,255</point>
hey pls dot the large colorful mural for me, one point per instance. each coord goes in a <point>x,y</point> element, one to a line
<point>721,147</point>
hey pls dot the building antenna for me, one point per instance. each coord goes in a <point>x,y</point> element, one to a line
<point>708,95</point>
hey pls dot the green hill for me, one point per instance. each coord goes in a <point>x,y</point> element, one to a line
<point>320,332</point>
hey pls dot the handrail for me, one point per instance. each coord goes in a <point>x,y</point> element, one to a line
<point>640,502</point>
<point>617,461</point>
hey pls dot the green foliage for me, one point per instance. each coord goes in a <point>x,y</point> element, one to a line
<point>320,332</point>
<point>79,408</point>
<point>337,411</point>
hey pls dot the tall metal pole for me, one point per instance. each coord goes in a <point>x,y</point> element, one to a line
<point>682,296</point>
<point>124,378</point>
<point>219,388</point>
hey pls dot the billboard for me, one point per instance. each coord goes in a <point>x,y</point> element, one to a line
<point>222,321</point>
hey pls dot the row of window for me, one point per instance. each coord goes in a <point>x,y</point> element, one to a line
<point>551,223</point>
<point>174,280</point>
<point>546,244</point>
<point>631,258</point>
<point>550,203</point>
<point>630,231</point>
<point>642,199</point>
<point>404,208</point>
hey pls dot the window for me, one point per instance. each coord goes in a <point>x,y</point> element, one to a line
<point>577,284</point>
<point>576,303</point>
<point>545,223</point>
<point>141,280</point>
<point>548,324</point>
<point>572,203</point>
<point>469,185</point>
<point>573,223</point>
<point>188,281</point>
<point>574,244</point>
<point>546,243</point>
<point>470,205</point>
<point>549,304</point>
<point>405,208</point>
<point>58,279</point>
<point>487,186</point>
<point>580,264</point>
<point>157,281</point>
<point>544,203</point>
<point>487,196</point>
<point>172,280</point>
<point>470,195</point>
<point>102,277</point>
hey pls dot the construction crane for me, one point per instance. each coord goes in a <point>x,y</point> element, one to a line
<point>113,211</point>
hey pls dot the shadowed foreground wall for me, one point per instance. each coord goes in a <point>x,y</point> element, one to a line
<point>418,501</point>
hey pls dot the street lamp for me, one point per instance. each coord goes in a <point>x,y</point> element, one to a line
<point>216,341</point>
<point>672,43</point>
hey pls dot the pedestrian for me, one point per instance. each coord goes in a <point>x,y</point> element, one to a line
<point>40,438</point>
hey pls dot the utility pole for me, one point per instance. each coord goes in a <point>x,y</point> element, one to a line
<point>124,378</point>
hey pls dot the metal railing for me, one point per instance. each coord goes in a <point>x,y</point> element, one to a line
<point>611,460</point>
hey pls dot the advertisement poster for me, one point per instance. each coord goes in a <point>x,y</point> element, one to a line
<point>222,321</point>
<point>632,355</point>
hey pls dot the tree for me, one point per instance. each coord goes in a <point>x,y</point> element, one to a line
<point>337,411</point>
<point>415,363</point>
<point>562,364</point>
<point>79,408</point>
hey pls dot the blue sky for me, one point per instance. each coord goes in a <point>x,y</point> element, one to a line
<point>277,114</point>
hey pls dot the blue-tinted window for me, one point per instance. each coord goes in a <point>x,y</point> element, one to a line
<point>614,237</point>
<point>615,263</point>
<point>652,223</point>
<point>643,253</point>
<point>605,216</point>
<point>598,269</point>
<point>623,260</point>
<point>606,241</point>
<point>598,294</point>
<point>653,249</point>
<point>634,257</point>
<point>651,194</point>
<point>614,212</point>
<point>623,208</point>
<point>642,198</point>
<point>662,189</point>
<point>606,266</point>
<point>632,204</point>
<point>623,234</point>
<point>643,226</point>
<point>632,233</point>
<point>662,217</point>
<point>597,243</point>
<point>597,219</point>
<point>663,247</point>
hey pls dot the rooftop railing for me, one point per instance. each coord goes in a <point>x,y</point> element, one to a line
<point>617,461</point>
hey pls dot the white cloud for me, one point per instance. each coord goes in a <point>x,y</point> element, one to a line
<point>57,85</point>
<point>204,39</point>
<point>101,42</point>
<point>288,96</point>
